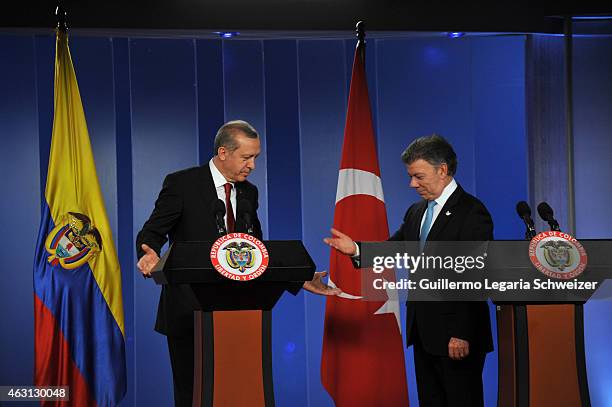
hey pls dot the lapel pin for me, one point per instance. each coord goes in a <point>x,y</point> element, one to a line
<point>448,213</point>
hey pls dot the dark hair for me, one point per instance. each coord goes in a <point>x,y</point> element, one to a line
<point>226,135</point>
<point>434,149</point>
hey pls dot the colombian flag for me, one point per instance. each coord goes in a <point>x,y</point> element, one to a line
<point>78,308</point>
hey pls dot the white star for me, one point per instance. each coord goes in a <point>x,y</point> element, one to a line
<point>391,306</point>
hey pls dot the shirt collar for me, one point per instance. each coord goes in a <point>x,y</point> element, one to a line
<point>446,193</point>
<point>218,178</point>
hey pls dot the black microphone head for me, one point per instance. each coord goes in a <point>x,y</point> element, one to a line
<point>218,208</point>
<point>546,212</point>
<point>523,209</point>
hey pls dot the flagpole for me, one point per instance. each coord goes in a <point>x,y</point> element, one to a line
<point>360,30</point>
<point>60,13</point>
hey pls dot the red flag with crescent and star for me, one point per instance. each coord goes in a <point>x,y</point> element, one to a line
<point>363,355</point>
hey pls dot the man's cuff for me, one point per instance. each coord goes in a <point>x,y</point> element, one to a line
<point>356,258</point>
<point>356,255</point>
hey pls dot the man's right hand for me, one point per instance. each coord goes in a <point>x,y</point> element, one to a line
<point>341,242</point>
<point>148,261</point>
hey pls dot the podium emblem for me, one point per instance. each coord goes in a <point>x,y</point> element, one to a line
<point>239,256</point>
<point>557,255</point>
<point>73,241</point>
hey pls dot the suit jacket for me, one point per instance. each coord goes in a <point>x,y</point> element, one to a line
<point>437,322</point>
<point>183,212</point>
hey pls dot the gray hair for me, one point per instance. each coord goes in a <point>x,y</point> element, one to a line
<point>226,135</point>
<point>434,149</point>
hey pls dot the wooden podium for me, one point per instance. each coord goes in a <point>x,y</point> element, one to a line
<point>541,355</point>
<point>541,352</point>
<point>232,319</point>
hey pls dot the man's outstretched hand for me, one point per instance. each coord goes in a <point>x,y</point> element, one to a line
<point>341,242</point>
<point>317,286</point>
<point>148,261</point>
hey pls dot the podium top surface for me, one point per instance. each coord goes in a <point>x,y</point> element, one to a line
<point>190,263</point>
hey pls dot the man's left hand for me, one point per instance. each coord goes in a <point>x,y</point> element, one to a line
<point>458,348</point>
<point>317,286</point>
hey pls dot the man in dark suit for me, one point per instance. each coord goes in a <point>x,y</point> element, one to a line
<point>184,212</point>
<point>450,339</point>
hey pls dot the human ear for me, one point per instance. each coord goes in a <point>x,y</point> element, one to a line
<point>443,169</point>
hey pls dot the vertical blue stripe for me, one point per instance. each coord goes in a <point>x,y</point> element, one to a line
<point>45,62</point>
<point>498,94</point>
<point>124,240</point>
<point>593,143</point>
<point>498,89</point>
<point>593,149</point>
<point>245,99</point>
<point>285,207</point>
<point>282,139</point>
<point>19,206</point>
<point>211,99</point>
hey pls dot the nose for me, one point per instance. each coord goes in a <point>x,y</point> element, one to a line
<point>251,163</point>
<point>413,182</point>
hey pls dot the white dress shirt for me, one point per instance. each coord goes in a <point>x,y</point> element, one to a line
<point>220,182</point>
<point>440,201</point>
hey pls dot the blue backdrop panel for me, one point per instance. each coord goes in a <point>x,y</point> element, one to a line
<point>593,149</point>
<point>19,207</point>
<point>285,208</point>
<point>125,238</point>
<point>45,62</point>
<point>211,106</point>
<point>283,140</point>
<point>498,100</point>
<point>323,93</point>
<point>593,144</point>
<point>164,139</point>
<point>245,99</point>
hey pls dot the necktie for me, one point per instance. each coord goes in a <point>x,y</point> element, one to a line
<point>427,224</point>
<point>231,222</point>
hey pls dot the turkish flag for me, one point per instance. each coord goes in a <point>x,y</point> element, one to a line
<point>363,355</point>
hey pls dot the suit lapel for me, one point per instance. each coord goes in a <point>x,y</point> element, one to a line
<point>445,214</point>
<point>208,190</point>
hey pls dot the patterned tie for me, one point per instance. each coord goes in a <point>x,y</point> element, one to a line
<point>231,222</point>
<point>427,224</point>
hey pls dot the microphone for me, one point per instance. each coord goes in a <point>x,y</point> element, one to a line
<point>547,214</point>
<point>524,212</point>
<point>246,209</point>
<point>218,210</point>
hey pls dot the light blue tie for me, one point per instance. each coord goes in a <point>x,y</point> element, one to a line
<point>427,224</point>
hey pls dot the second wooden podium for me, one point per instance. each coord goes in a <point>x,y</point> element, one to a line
<point>232,319</point>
